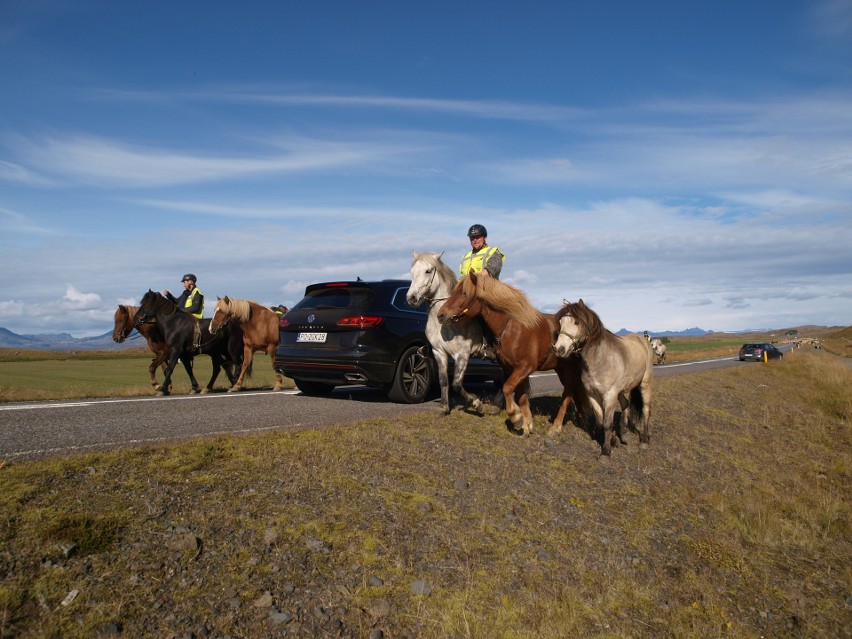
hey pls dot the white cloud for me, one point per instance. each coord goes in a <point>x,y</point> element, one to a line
<point>75,300</point>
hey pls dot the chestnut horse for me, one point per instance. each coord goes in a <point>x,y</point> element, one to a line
<point>260,332</point>
<point>617,370</point>
<point>124,316</point>
<point>524,336</point>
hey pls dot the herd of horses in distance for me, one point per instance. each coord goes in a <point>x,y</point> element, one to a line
<point>601,372</point>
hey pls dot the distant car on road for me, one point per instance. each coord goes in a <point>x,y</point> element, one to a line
<point>759,352</point>
<point>360,332</point>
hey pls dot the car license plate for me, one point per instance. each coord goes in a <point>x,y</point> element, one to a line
<point>311,337</point>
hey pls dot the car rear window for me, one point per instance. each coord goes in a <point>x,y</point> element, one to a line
<point>337,297</point>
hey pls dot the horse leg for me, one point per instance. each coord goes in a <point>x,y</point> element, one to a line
<point>609,403</point>
<point>556,426</point>
<point>166,386</point>
<point>187,364</point>
<point>645,390</point>
<point>512,389</point>
<point>279,378</point>
<point>248,353</point>
<point>443,379</point>
<point>523,396</point>
<point>624,423</point>
<point>471,401</point>
<point>218,363</point>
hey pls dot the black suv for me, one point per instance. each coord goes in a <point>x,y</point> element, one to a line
<point>363,333</point>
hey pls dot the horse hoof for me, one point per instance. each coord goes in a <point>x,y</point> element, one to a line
<point>233,389</point>
<point>643,445</point>
<point>204,391</point>
<point>277,388</point>
<point>194,391</point>
<point>161,393</point>
<point>604,458</point>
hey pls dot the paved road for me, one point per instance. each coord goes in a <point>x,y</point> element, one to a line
<point>31,430</point>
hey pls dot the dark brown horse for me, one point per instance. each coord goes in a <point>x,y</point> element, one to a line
<point>124,316</point>
<point>524,336</point>
<point>179,332</point>
<point>617,370</point>
<point>260,329</point>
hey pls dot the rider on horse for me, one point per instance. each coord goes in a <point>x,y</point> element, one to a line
<point>482,258</point>
<point>190,301</point>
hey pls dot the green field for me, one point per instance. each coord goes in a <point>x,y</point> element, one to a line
<point>33,375</point>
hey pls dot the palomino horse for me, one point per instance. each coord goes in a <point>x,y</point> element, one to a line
<point>179,330</point>
<point>260,332</point>
<point>124,315</point>
<point>523,337</point>
<point>614,367</point>
<point>432,281</point>
<point>659,350</point>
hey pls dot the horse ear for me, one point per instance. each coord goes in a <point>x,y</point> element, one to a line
<point>440,255</point>
<point>565,302</point>
<point>581,302</point>
<point>413,255</point>
<point>227,301</point>
<point>472,276</point>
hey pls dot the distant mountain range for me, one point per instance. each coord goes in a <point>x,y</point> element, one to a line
<point>65,342</point>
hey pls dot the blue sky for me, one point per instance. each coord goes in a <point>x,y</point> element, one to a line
<point>675,164</point>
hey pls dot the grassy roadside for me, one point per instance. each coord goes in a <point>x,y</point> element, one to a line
<point>734,523</point>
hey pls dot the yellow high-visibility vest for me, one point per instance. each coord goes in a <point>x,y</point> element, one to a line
<point>191,300</point>
<point>476,261</point>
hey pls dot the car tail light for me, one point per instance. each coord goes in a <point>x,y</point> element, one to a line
<point>361,321</point>
<point>283,323</point>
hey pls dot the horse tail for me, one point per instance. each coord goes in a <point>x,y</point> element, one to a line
<point>637,402</point>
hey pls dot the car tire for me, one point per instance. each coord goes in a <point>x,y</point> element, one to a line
<point>316,389</point>
<point>414,377</point>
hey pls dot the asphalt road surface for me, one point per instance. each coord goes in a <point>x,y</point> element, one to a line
<point>30,430</point>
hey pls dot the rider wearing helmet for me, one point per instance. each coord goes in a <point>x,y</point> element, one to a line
<point>192,299</point>
<point>481,257</point>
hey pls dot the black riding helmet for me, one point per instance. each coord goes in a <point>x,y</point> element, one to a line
<point>476,230</point>
<point>189,276</point>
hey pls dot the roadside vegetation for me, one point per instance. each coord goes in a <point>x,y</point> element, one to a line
<point>734,523</point>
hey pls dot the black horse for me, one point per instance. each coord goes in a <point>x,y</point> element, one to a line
<point>225,348</point>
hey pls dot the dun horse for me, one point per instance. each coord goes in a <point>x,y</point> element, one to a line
<point>614,368</point>
<point>124,316</point>
<point>179,330</point>
<point>523,337</point>
<point>432,281</point>
<point>259,326</point>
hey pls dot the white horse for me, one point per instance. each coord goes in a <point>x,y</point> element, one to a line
<point>433,281</point>
<point>659,350</point>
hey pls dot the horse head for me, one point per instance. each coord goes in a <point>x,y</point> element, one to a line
<point>574,330</point>
<point>221,314</point>
<point>123,323</point>
<point>147,311</point>
<point>429,275</point>
<point>464,304</point>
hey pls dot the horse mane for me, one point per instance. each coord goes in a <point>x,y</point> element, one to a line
<point>503,297</point>
<point>445,273</point>
<point>240,310</point>
<point>585,317</point>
